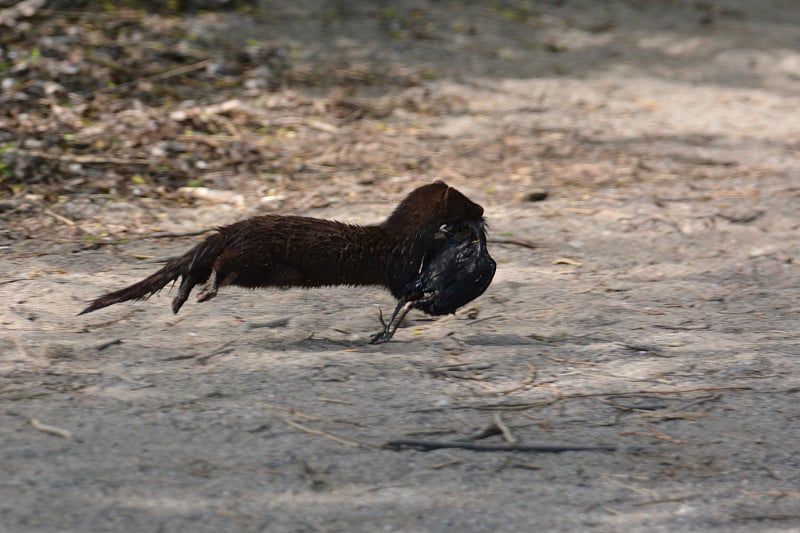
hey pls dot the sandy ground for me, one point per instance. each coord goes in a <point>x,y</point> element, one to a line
<point>658,312</point>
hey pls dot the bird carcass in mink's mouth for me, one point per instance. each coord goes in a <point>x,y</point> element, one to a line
<point>458,270</point>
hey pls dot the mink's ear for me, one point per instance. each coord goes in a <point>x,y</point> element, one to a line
<point>459,207</point>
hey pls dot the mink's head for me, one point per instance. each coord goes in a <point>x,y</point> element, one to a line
<point>431,206</point>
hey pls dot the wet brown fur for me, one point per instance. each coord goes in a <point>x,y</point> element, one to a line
<point>291,251</point>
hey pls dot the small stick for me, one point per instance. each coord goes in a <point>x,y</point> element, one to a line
<point>566,261</point>
<point>179,71</point>
<point>657,391</point>
<point>654,434</point>
<point>521,464</point>
<point>452,461</point>
<point>51,429</point>
<point>78,158</point>
<point>498,407</point>
<point>509,438</point>
<point>558,396</point>
<point>325,434</point>
<point>666,500</point>
<point>458,367</point>
<point>773,493</point>
<point>429,445</point>
<point>178,357</point>
<point>102,346</point>
<point>674,415</point>
<point>515,242</point>
<point>767,517</point>
<point>570,361</point>
<point>60,218</point>
<point>225,348</point>
<point>290,410</point>
<point>334,400</point>
<point>689,327</point>
<point>637,408</point>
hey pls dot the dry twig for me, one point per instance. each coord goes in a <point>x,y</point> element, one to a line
<point>290,410</point>
<point>334,400</point>
<point>515,242</point>
<point>325,434</point>
<point>51,429</point>
<point>79,158</point>
<point>453,460</point>
<point>225,348</point>
<point>430,445</point>
<point>179,71</point>
<point>107,344</point>
<point>767,517</point>
<point>570,361</point>
<point>509,438</point>
<point>773,493</point>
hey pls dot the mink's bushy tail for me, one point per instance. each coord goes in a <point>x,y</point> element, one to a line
<point>194,267</point>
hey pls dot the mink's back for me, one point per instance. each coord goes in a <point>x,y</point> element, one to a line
<point>272,250</point>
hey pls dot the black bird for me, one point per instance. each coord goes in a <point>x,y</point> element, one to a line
<point>457,271</point>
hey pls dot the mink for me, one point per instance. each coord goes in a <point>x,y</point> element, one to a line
<point>295,251</point>
<point>457,271</point>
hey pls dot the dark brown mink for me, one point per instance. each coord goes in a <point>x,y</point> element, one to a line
<point>293,251</point>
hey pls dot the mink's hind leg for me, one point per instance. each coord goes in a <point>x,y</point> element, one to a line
<point>189,280</point>
<point>226,271</point>
<point>209,289</point>
<point>186,286</point>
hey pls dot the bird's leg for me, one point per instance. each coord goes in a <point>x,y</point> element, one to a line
<point>385,324</point>
<point>381,336</point>
<point>380,317</point>
<point>400,312</point>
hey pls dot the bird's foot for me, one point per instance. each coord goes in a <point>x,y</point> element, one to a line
<point>389,328</point>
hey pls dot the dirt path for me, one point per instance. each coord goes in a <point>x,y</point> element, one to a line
<point>658,313</point>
